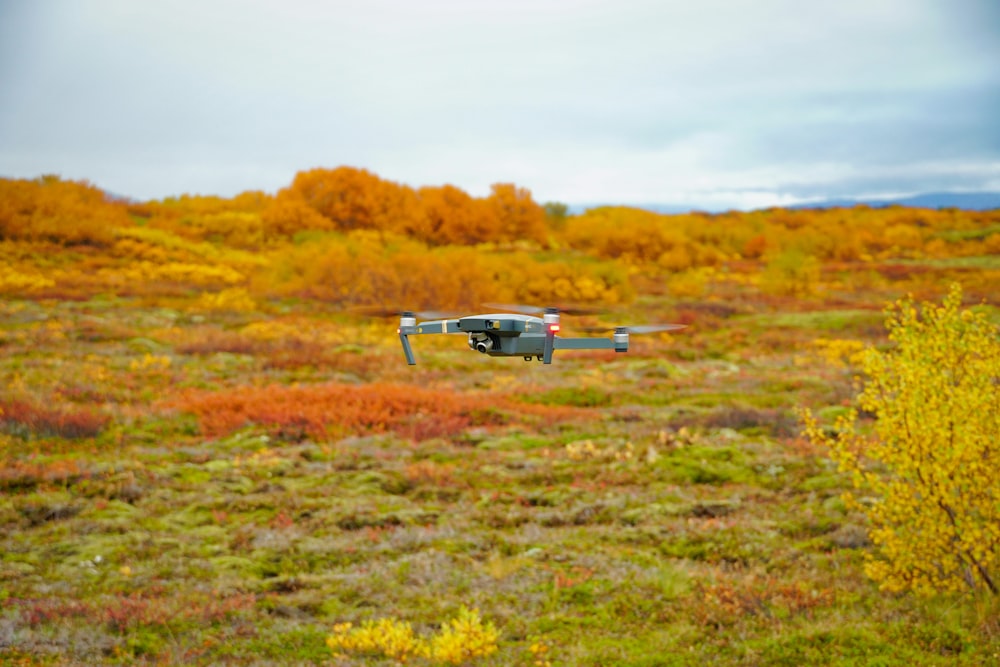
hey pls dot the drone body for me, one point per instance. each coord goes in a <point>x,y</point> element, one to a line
<point>513,335</point>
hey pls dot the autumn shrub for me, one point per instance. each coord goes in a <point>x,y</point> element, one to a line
<point>931,458</point>
<point>555,282</point>
<point>289,214</point>
<point>519,216</point>
<point>352,198</point>
<point>236,221</point>
<point>365,268</point>
<point>13,281</point>
<point>791,273</point>
<point>233,300</point>
<point>632,236</point>
<point>66,212</point>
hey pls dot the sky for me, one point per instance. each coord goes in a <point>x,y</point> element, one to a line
<point>711,104</point>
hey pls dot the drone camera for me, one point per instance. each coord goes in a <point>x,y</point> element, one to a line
<point>480,343</point>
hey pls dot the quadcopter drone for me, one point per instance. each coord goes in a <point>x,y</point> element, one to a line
<point>517,335</point>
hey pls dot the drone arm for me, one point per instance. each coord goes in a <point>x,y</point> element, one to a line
<point>436,327</point>
<point>584,344</point>
<point>410,328</point>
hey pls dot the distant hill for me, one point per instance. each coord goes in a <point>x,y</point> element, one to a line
<point>969,201</point>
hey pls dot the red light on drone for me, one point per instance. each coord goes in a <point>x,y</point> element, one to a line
<point>553,328</point>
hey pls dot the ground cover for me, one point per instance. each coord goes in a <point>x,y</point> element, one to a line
<point>650,508</point>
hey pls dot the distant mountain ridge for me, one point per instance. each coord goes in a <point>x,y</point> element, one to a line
<point>968,201</point>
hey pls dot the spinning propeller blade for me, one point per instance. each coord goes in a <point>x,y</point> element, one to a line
<point>377,311</point>
<point>537,310</point>
<point>638,329</point>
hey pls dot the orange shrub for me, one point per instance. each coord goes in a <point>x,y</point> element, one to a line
<point>65,212</point>
<point>451,216</point>
<point>289,213</point>
<point>519,216</point>
<point>353,198</point>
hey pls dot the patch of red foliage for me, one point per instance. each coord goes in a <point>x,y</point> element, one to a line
<point>31,474</point>
<point>66,421</point>
<point>335,410</point>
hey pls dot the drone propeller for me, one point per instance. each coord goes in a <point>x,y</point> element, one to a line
<point>536,310</point>
<point>638,329</point>
<point>376,311</point>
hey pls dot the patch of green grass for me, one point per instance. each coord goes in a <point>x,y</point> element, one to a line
<point>580,397</point>
<point>822,320</point>
<point>960,235</point>
<point>981,262</point>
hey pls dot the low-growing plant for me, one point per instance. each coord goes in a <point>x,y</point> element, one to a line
<point>332,409</point>
<point>460,640</point>
<point>28,418</point>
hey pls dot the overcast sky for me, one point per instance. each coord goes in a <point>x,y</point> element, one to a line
<point>712,103</point>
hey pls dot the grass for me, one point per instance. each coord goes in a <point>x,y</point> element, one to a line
<point>653,508</point>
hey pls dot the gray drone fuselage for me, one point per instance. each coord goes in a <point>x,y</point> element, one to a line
<point>508,335</point>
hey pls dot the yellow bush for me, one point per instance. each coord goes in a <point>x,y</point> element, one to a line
<point>791,273</point>
<point>931,462</point>
<point>235,300</point>
<point>13,281</point>
<point>459,641</point>
<point>840,352</point>
<point>463,639</point>
<point>203,275</point>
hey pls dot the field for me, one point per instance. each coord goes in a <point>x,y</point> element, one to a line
<point>209,455</point>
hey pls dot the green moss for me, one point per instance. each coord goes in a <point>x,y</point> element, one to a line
<point>581,397</point>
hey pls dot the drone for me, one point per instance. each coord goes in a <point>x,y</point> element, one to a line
<point>518,334</point>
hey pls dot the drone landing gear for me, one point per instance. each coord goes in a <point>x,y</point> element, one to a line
<point>527,357</point>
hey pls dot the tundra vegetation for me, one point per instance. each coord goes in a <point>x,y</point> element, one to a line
<point>210,455</point>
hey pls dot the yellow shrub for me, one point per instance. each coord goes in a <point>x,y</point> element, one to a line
<point>840,352</point>
<point>932,461</point>
<point>13,281</point>
<point>385,637</point>
<point>202,275</point>
<point>463,639</point>
<point>459,641</point>
<point>234,300</point>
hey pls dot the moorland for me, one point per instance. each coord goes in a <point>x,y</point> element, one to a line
<point>211,452</point>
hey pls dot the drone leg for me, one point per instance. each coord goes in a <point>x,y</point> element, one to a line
<point>407,350</point>
<point>550,342</point>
